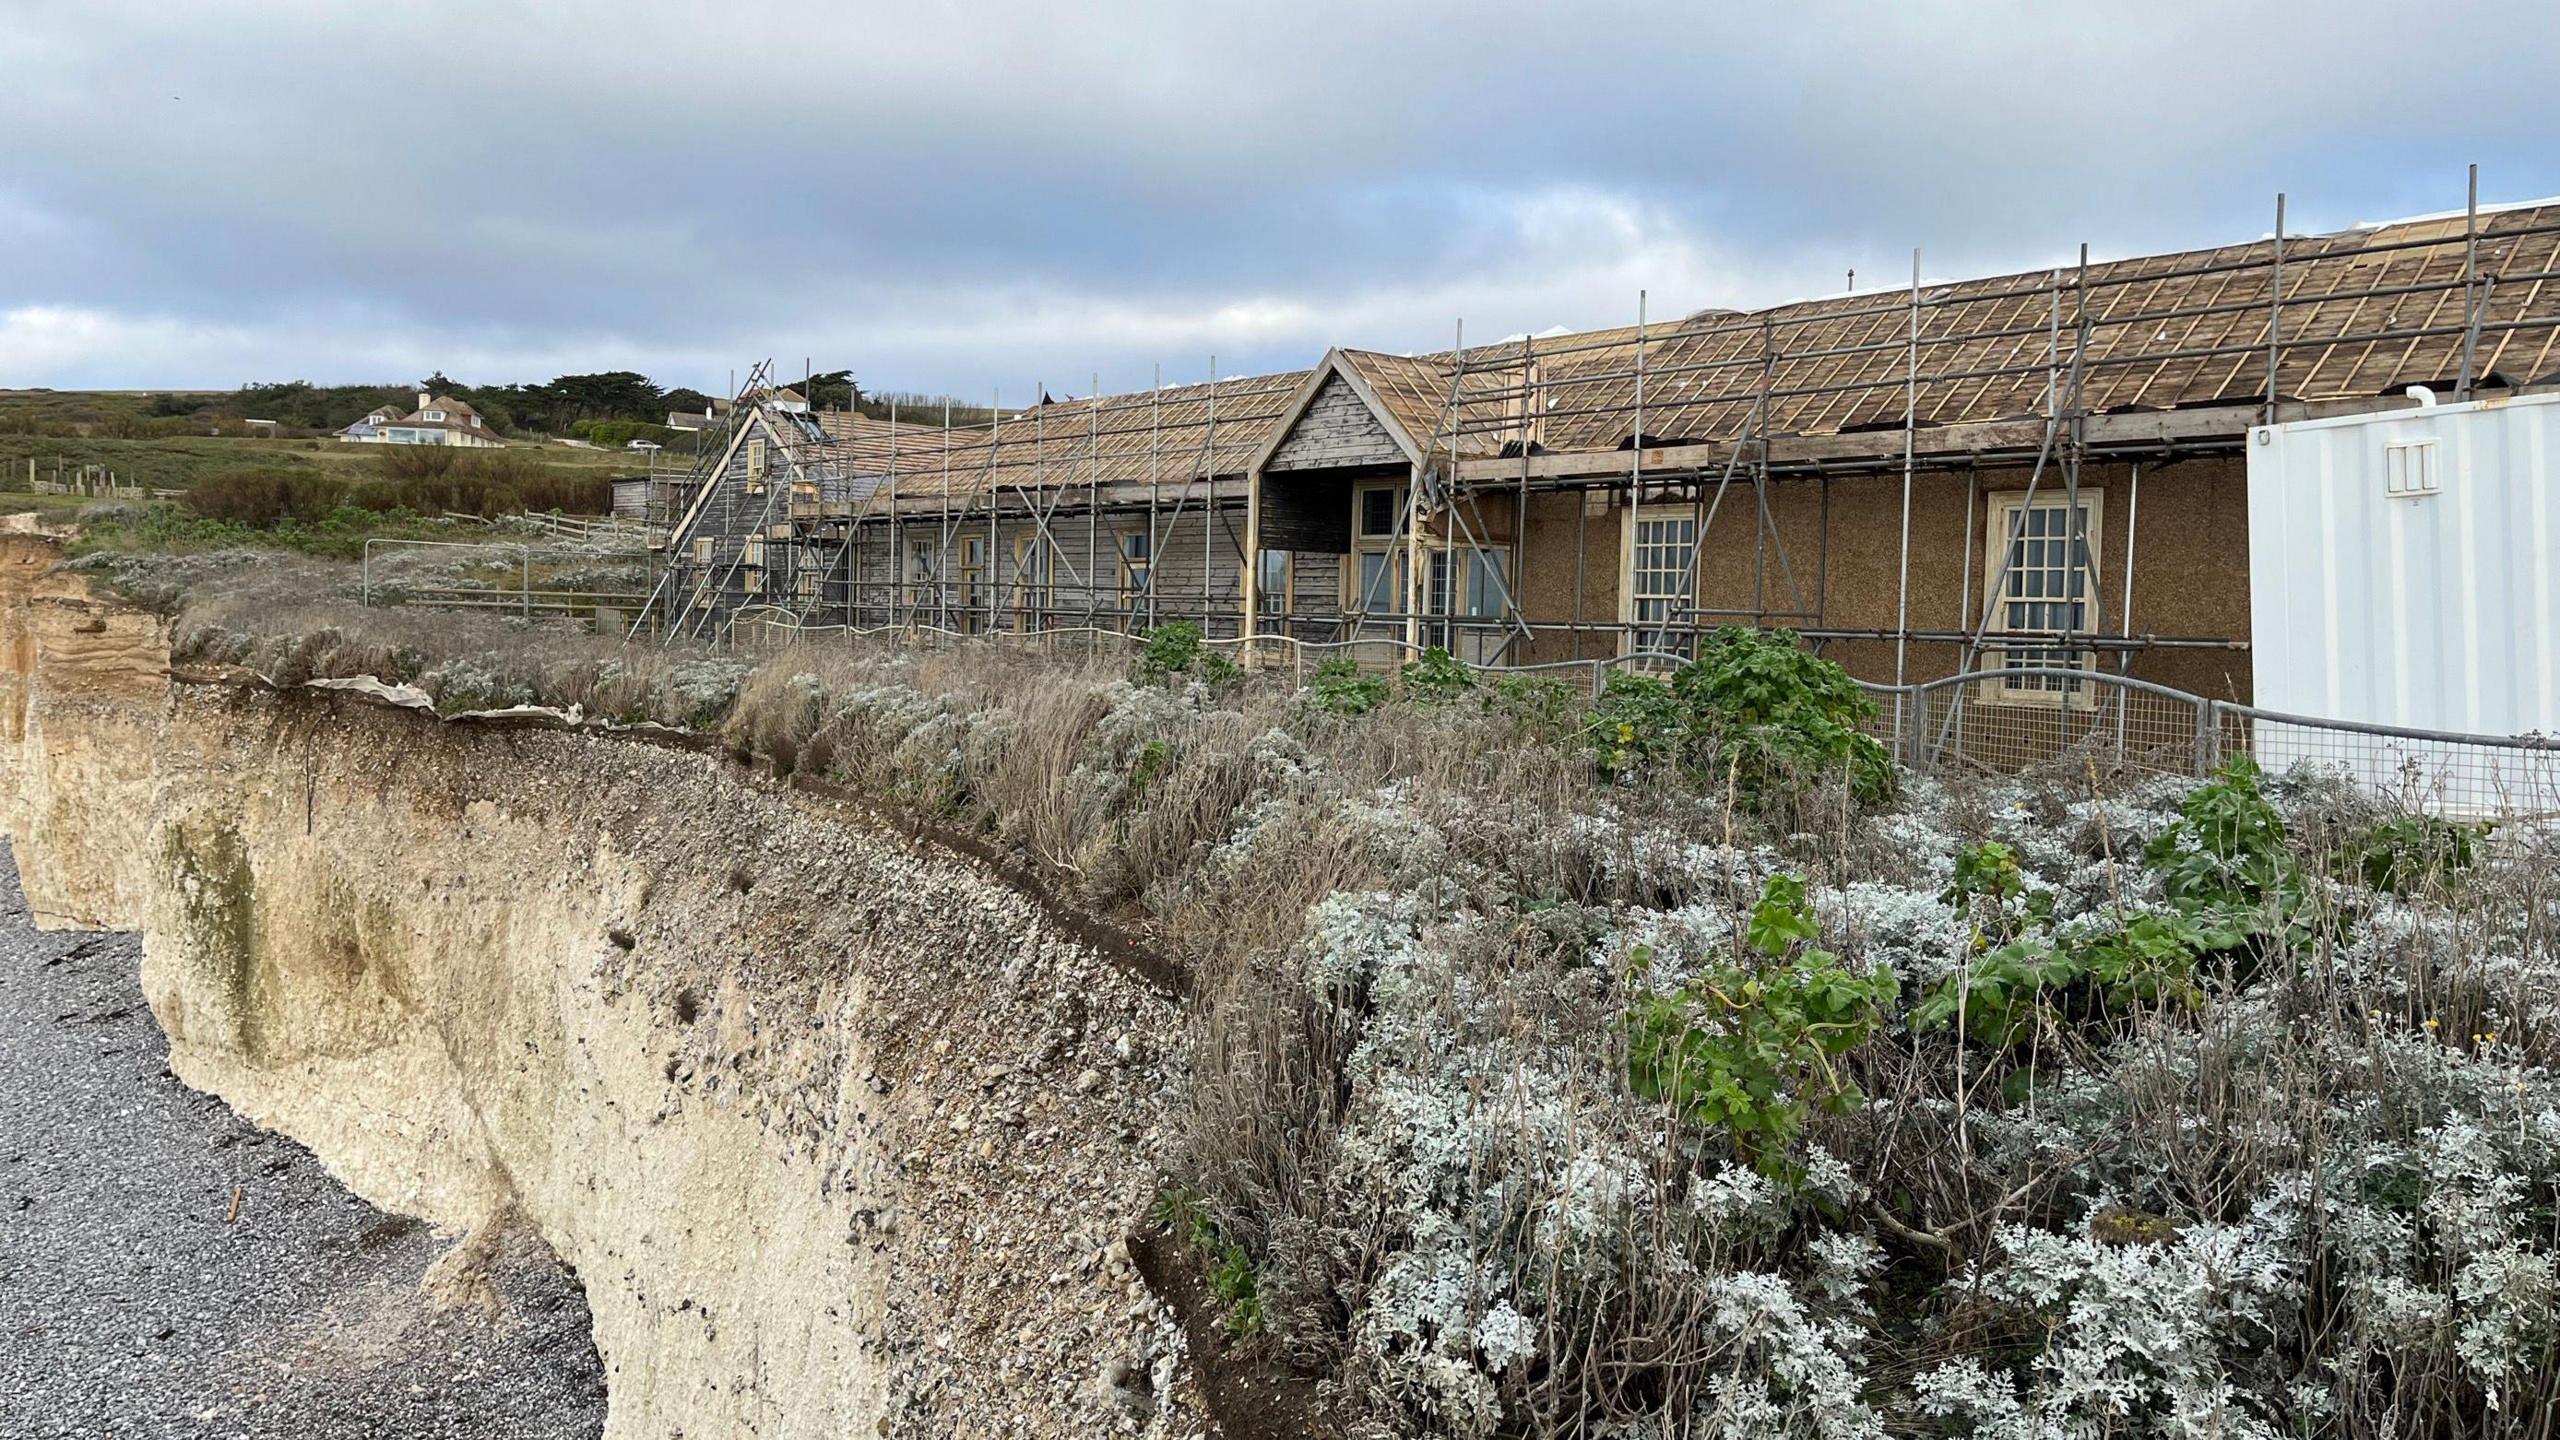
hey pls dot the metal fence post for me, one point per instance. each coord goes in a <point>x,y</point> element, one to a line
<point>2208,735</point>
<point>1915,739</point>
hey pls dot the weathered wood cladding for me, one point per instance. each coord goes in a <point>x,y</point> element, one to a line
<point>1337,430</point>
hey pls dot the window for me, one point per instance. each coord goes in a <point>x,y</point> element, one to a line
<point>431,415</point>
<point>1662,572</point>
<point>1271,582</point>
<point>2039,564</point>
<point>1485,583</point>
<point>1378,586</point>
<point>1374,583</point>
<point>1137,568</point>
<point>702,549</point>
<point>1035,565</point>
<point>973,574</point>
<point>1377,511</point>
<point>755,465</point>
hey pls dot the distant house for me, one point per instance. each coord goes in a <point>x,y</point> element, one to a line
<point>438,420</point>
<point>259,427</point>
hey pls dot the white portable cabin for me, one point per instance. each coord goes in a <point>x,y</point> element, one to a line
<point>2401,574</point>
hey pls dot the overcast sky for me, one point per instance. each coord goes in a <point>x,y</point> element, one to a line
<point>979,197</point>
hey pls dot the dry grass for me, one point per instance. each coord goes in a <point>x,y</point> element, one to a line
<point>1409,934</point>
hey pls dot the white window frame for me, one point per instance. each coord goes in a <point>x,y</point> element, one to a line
<point>1999,512</point>
<point>1676,632</point>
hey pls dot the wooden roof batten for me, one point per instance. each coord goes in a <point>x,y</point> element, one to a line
<point>2214,337</point>
<point>2204,333</point>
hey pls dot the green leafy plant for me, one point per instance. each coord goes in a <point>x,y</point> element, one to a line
<point>1337,687</point>
<point>1542,703</point>
<point>1232,1276</point>
<point>2026,977</point>
<point>1177,649</point>
<point>1754,709</point>
<point>1779,713</point>
<point>1239,1288</point>
<point>1747,1047</point>
<point>1635,726</point>
<point>1150,765</point>
<point>1436,678</point>
<point>2396,854</point>
<point>2226,849</point>
<point>1991,891</point>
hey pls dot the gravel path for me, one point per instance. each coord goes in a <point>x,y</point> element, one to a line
<point>134,1303</point>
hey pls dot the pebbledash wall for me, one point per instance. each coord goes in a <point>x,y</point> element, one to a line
<point>803,1100</point>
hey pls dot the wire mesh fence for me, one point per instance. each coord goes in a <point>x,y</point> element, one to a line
<point>1977,722</point>
<point>2439,772</point>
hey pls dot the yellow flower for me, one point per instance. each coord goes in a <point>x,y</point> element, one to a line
<point>2431,1022</point>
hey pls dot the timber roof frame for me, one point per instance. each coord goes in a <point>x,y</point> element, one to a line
<point>2301,321</point>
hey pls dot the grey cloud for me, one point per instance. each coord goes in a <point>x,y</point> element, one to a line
<point>963,197</point>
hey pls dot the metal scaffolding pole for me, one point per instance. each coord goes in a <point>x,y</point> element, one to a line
<point>1209,505</point>
<point>1910,447</point>
<point>1093,498</point>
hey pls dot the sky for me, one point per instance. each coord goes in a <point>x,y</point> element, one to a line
<point>989,198</point>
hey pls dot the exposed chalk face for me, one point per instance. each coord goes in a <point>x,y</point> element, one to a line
<point>818,1145</point>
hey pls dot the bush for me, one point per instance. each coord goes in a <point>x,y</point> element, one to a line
<point>437,479</point>
<point>1177,649</point>
<point>1747,1048</point>
<point>1781,714</point>
<point>1542,704</point>
<point>1436,678</point>
<point>1753,711</point>
<point>263,498</point>
<point>2397,855</point>
<point>1338,688</point>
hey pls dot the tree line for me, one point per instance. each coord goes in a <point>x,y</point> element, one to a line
<point>553,407</point>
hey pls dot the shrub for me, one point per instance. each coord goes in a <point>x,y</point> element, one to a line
<point>1542,704</point>
<point>1436,678</point>
<point>1747,1048</point>
<point>1780,714</point>
<point>1177,649</point>
<point>1636,725</point>
<point>1752,710</point>
<point>263,498</point>
<point>2395,855</point>
<point>1338,688</point>
<point>2227,847</point>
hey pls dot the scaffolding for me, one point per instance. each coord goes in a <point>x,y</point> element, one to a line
<point>2138,362</point>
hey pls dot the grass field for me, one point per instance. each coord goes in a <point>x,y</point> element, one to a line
<point>177,462</point>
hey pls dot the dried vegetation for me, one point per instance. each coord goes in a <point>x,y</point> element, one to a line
<point>1665,1068</point>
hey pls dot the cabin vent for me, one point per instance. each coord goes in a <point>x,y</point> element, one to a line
<point>2409,469</point>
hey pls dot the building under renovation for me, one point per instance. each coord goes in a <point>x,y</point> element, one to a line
<point>2020,473</point>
